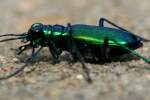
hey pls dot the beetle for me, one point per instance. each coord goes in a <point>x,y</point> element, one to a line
<point>98,43</point>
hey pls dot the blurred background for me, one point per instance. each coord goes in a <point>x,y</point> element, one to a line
<point>117,81</point>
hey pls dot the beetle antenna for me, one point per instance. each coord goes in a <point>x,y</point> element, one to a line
<point>133,52</point>
<point>28,61</point>
<point>10,35</point>
<point>9,39</point>
<point>21,36</point>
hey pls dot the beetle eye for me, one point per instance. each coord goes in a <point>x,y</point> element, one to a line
<point>37,27</point>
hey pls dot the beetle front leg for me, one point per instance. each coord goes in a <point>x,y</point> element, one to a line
<point>28,62</point>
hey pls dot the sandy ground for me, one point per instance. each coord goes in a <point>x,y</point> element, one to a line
<point>128,80</point>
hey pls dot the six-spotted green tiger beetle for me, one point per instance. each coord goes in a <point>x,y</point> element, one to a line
<point>99,43</point>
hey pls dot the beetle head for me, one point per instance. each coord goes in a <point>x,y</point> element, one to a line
<point>35,34</point>
<point>35,31</point>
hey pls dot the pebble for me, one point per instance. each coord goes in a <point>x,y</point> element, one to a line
<point>15,60</point>
<point>79,76</point>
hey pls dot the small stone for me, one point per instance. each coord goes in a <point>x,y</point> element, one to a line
<point>15,60</point>
<point>27,69</point>
<point>79,76</point>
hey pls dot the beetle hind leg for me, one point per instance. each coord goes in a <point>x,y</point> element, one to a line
<point>102,20</point>
<point>132,52</point>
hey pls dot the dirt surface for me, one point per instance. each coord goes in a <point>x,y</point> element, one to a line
<point>128,80</point>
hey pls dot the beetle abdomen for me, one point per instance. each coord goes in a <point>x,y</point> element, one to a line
<point>96,35</point>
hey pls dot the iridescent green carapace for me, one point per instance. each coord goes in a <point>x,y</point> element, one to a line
<point>99,43</point>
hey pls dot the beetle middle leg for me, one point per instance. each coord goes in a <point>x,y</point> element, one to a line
<point>105,48</point>
<point>81,58</point>
<point>79,55</point>
<point>54,51</point>
<point>102,52</point>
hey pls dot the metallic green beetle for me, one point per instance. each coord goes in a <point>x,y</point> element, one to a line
<point>82,41</point>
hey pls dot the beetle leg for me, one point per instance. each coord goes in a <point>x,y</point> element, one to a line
<point>80,57</point>
<point>28,61</point>
<point>101,24</point>
<point>23,48</point>
<point>105,48</point>
<point>33,51</point>
<point>133,52</point>
<point>53,50</point>
<point>102,20</point>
